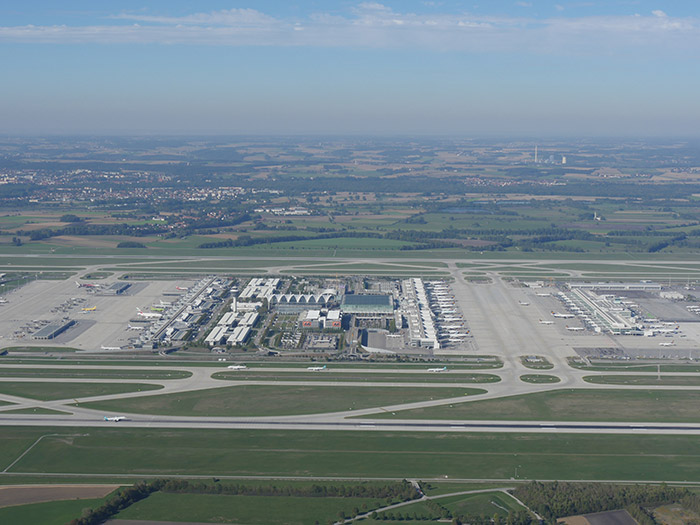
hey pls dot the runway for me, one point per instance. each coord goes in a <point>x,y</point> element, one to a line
<point>363,425</point>
<point>201,379</point>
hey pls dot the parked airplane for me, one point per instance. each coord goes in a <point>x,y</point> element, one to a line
<point>115,419</point>
<point>86,285</point>
<point>111,347</point>
<point>90,309</point>
<point>443,369</point>
<point>672,343</point>
<point>237,367</point>
<point>575,329</point>
<point>181,288</point>
<point>546,322</point>
<point>563,316</point>
<point>523,303</point>
<point>3,301</point>
<point>316,368</point>
<point>543,294</point>
<point>149,315</point>
<point>132,327</point>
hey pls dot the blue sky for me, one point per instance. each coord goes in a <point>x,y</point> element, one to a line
<point>526,68</point>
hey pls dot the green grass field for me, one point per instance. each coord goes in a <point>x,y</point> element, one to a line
<point>644,380</point>
<point>416,455</point>
<point>93,374</point>
<point>40,349</point>
<point>48,513</point>
<point>35,410</point>
<point>480,504</point>
<point>420,508</point>
<point>538,363</point>
<point>256,400</point>
<point>624,367</point>
<point>46,391</point>
<point>572,405</point>
<point>359,377</point>
<point>252,510</point>
<point>539,378</point>
<point>476,363</point>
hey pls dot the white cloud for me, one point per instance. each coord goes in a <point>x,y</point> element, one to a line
<point>226,17</point>
<point>374,25</point>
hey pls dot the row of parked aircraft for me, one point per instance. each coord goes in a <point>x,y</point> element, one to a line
<point>449,321</point>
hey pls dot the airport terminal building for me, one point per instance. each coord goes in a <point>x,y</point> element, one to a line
<point>368,306</point>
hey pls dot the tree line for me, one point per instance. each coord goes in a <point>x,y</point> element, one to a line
<point>555,500</point>
<point>392,492</point>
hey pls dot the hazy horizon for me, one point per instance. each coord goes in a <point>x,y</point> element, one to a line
<point>409,68</point>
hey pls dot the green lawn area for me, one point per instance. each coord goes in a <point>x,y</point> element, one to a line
<point>454,377</point>
<point>258,400</point>
<point>480,504</point>
<point>644,380</point>
<point>371,454</point>
<point>48,513</point>
<point>572,405</point>
<point>251,510</point>
<point>46,391</point>
<point>39,372</point>
<point>352,243</point>
<point>536,362</point>
<point>436,488</point>
<point>376,266</point>
<point>419,508</point>
<point>35,410</point>
<point>41,349</point>
<point>476,363</point>
<point>624,367</point>
<point>539,378</point>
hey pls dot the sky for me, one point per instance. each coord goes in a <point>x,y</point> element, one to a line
<point>406,67</point>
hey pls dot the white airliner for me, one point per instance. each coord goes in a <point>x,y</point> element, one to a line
<point>546,322</point>
<point>86,285</point>
<point>3,301</point>
<point>316,368</point>
<point>543,294</point>
<point>523,303</point>
<point>575,329</point>
<point>115,419</point>
<point>563,316</point>
<point>443,369</point>
<point>111,347</point>
<point>237,367</point>
<point>149,315</point>
<point>672,343</point>
<point>181,288</point>
<point>132,327</point>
